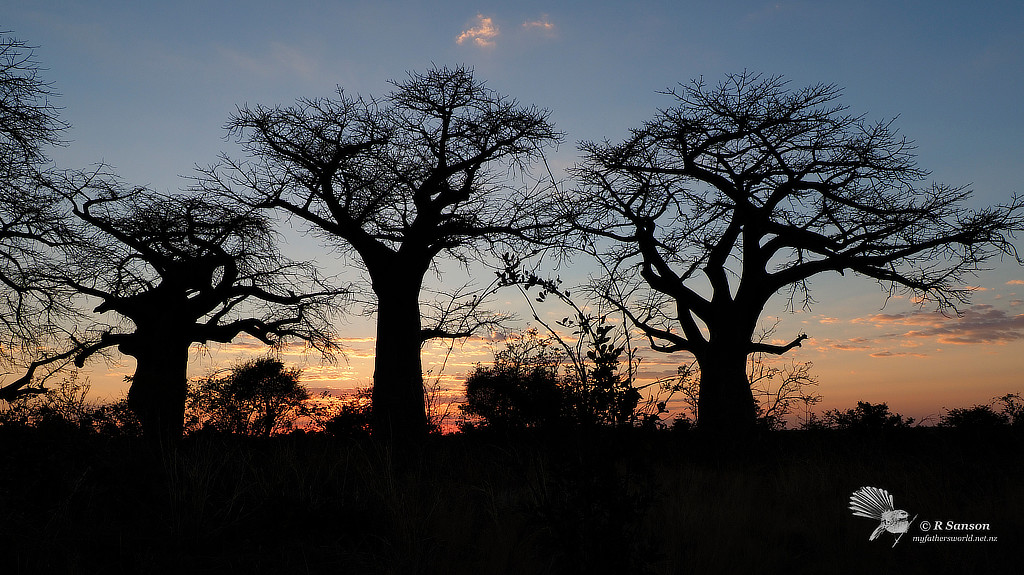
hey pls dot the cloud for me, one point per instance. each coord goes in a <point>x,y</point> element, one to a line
<point>351,340</point>
<point>849,346</point>
<point>1015,283</point>
<point>981,324</point>
<point>852,344</point>
<point>280,60</point>
<point>482,33</point>
<point>901,354</point>
<point>542,25</point>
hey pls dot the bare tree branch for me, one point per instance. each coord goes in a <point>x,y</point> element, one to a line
<point>748,188</point>
<point>428,172</point>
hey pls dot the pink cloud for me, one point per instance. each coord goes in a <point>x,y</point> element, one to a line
<point>541,25</point>
<point>980,324</point>
<point>854,344</point>
<point>482,33</point>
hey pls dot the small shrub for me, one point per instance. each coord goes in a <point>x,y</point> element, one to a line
<point>116,419</point>
<point>348,416</point>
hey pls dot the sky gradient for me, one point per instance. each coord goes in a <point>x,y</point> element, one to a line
<point>148,87</point>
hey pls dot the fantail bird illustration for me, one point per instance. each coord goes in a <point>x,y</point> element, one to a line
<point>875,503</point>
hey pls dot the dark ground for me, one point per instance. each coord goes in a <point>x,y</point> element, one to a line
<point>611,502</point>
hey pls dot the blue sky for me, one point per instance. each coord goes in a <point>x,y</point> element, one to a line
<point>147,87</point>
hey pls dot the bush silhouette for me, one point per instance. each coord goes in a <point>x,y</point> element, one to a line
<point>866,417</point>
<point>256,397</point>
<point>528,385</point>
<point>507,397</point>
<point>975,417</point>
<point>116,419</point>
<point>351,417</point>
<point>1010,412</point>
<point>521,389</point>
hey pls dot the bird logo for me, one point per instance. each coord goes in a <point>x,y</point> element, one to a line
<point>875,503</point>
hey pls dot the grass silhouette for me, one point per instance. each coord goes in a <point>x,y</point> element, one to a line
<point>621,501</point>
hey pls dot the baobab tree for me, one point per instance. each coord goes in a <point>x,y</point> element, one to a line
<point>749,188</point>
<point>30,223</point>
<point>163,272</point>
<point>426,172</point>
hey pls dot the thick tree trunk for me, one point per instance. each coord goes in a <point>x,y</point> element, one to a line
<point>398,406</point>
<point>157,394</point>
<point>725,405</point>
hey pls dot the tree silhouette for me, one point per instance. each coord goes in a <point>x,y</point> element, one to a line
<point>165,271</point>
<point>256,397</point>
<point>749,188</point>
<point>422,173</point>
<point>30,224</point>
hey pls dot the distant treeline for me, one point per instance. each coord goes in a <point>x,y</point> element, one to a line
<point>260,397</point>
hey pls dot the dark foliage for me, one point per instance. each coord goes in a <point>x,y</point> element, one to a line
<point>256,397</point>
<point>348,416</point>
<point>976,417</point>
<point>605,396</point>
<point>521,389</point>
<point>531,385</point>
<point>116,420</point>
<point>64,408</point>
<point>1003,411</point>
<point>866,417</point>
<point>622,502</point>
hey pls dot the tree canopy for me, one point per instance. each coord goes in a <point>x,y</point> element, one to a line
<point>30,223</point>
<point>162,272</point>
<point>737,192</point>
<point>748,188</point>
<point>423,172</point>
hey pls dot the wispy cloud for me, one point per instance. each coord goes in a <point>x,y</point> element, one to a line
<point>279,60</point>
<point>981,324</point>
<point>850,346</point>
<point>542,25</point>
<point>351,340</point>
<point>482,33</point>
<point>898,354</point>
<point>1015,283</point>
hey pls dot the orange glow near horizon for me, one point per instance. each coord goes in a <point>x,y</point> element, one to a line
<point>918,362</point>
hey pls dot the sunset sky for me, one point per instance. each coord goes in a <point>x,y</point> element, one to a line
<point>147,88</point>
